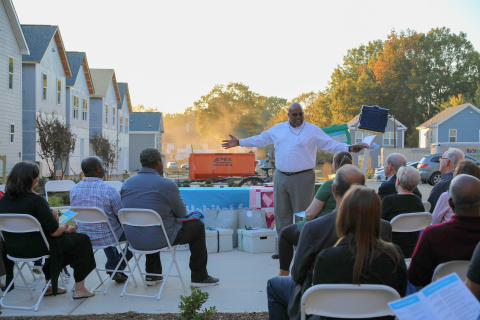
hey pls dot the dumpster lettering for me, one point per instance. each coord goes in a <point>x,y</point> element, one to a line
<point>222,162</point>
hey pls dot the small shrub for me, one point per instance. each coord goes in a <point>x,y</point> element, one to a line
<point>186,182</point>
<point>55,201</point>
<point>74,179</point>
<point>186,185</point>
<point>190,305</point>
<point>42,181</point>
<point>65,198</point>
<point>179,184</point>
<point>231,183</point>
<point>208,181</point>
<point>123,180</point>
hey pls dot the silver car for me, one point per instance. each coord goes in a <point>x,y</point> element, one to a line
<point>429,168</point>
<point>380,173</point>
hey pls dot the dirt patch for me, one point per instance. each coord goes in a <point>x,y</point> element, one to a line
<point>148,316</point>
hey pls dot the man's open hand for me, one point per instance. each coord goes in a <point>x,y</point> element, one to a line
<point>233,142</point>
<point>355,148</point>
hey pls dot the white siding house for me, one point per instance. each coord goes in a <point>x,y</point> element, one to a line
<point>12,46</point>
<point>79,89</point>
<point>124,110</point>
<point>44,72</point>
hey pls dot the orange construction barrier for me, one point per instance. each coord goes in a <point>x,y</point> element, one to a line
<point>221,165</point>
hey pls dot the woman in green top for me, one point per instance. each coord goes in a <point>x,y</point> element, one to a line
<point>322,204</point>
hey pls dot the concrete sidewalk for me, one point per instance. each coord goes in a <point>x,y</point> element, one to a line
<point>243,280</point>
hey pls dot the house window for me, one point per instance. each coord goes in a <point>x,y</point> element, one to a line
<point>106,113</point>
<point>75,107</point>
<point>59,91</point>
<point>113,116</point>
<point>12,132</point>
<point>121,123</point>
<point>197,146</point>
<point>452,135</point>
<point>180,146</point>
<point>10,73</point>
<point>388,138</point>
<point>84,110</point>
<point>44,84</point>
<point>126,125</point>
<point>358,137</point>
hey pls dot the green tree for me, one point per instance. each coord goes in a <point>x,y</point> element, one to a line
<point>105,150</point>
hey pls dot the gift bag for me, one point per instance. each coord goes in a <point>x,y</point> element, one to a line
<point>262,198</point>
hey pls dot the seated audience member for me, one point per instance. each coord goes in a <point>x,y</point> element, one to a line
<point>360,256</point>
<point>452,240</point>
<point>448,162</point>
<point>443,212</point>
<point>92,192</point>
<point>473,273</point>
<point>66,246</point>
<point>404,201</point>
<point>393,162</point>
<point>149,190</point>
<point>284,293</point>
<point>322,204</point>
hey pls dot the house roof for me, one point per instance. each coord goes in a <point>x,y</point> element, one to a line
<point>38,38</point>
<point>146,121</point>
<point>101,81</point>
<point>76,60</point>
<point>355,120</point>
<point>445,115</point>
<point>17,28</point>
<point>125,94</point>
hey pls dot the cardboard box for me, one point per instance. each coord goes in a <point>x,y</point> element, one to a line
<point>256,241</point>
<point>219,240</point>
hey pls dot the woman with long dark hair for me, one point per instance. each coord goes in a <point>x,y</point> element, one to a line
<point>360,256</point>
<point>66,246</point>
<point>323,204</point>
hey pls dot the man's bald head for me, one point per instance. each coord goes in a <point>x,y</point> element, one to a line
<point>90,166</point>
<point>345,177</point>
<point>397,160</point>
<point>295,107</point>
<point>464,195</point>
<point>295,114</point>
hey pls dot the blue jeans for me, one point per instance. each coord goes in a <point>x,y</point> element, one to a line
<point>114,257</point>
<point>279,291</point>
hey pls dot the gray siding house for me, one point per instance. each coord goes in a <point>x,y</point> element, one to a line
<point>44,72</point>
<point>12,46</point>
<point>455,124</point>
<point>146,129</point>
<point>388,140</point>
<point>79,90</point>
<point>124,110</point>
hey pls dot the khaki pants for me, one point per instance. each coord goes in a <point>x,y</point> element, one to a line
<point>292,194</point>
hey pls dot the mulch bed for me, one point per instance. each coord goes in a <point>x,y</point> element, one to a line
<point>148,316</point>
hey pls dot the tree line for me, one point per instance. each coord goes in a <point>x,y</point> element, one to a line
<point>414,75</point>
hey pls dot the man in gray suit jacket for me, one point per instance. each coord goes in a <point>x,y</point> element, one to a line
<point>285,293</point>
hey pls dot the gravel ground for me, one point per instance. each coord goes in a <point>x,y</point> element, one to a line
<point>146,316</point>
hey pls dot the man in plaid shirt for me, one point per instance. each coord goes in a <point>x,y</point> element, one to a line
<point>92,192</point>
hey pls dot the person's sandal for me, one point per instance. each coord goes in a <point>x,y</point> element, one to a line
<point>80,295</point>
<point>49,291</point>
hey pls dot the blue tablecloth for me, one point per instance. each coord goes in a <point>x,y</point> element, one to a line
<point>201,199</point>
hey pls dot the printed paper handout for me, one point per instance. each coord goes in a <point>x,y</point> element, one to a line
<point>367,143</point>
<point>301,214</point>
<point>447,298</point>
<point>67,215</point>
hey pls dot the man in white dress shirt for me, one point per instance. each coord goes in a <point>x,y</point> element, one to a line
<point>295,144</point>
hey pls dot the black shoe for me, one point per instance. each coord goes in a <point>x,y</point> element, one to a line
<point>209,281</point>
<point>118,277</point>
<point>153,280</point>
<point>275,255</point>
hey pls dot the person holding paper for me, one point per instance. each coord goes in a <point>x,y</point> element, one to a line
<point>66,246</point>
<point>393,162</point>
<point>452,240</point>
<point>323,203</point>
<point>295,143</point>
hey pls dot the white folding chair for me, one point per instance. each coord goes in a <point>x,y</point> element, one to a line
<point>444,269</point>
<point>91,215</point>
<point>427,205</point>
<point>116,184</point>
<point>2,187</point>
<point>58,186</point>
<point>23,223</point>
<point>348,301</point>
<point>148,218</point>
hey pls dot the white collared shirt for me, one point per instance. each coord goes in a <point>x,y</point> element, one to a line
<point>295,148</point>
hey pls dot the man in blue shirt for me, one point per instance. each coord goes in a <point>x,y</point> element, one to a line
<point>149,190</point>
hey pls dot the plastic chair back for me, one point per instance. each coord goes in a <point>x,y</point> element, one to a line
<point>410,222</point>
<point>444,269</point>
<point>58,186</point>
<point>116,184</point>
<point>139,217</point>
<point>89,215</point>
<point>348,301</point>
<point>427,205</point>
<point>2,187</point>
<point>20,223</point>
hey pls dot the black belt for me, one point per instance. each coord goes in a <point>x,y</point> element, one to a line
<point>292,173</point>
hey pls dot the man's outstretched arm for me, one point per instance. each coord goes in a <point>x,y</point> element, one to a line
<point>262,140</point>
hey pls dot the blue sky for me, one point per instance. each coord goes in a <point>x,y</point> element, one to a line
<point>172,52</point>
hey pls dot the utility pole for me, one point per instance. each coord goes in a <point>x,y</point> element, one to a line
<point>394,131</point>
